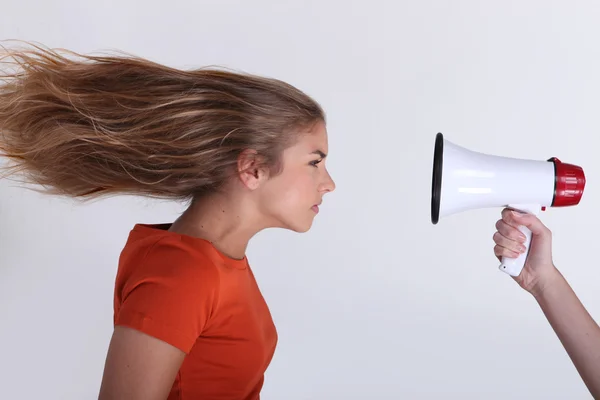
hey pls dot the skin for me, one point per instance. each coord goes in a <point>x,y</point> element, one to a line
<point>139,366</point>
<point>569,319</point>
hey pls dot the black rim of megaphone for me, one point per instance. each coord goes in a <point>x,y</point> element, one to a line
<point>436,179</point>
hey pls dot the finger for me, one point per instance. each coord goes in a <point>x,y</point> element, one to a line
<point>508,244</point>
<point>532,222</point>
<point>517,218</point>
<point>500,252</point>
<point>507,216</point>
<point>510,231</point>
<point>511,217</point>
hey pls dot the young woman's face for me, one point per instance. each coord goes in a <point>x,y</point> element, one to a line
<point>292,198</point>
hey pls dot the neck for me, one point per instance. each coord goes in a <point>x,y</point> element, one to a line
<point>227,222</point>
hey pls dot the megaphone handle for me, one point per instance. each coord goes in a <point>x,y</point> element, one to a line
<point>514,266</point>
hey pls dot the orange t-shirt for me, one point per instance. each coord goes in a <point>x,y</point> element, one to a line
<point>182,290</point>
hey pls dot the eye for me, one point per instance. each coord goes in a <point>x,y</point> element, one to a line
<point>315,162</point>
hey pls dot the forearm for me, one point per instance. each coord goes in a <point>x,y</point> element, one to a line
<point>575,328</point>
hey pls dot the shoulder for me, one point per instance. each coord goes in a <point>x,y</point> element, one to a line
<point>163,256</point>
<point>173,256</point>
<point>160,272</point>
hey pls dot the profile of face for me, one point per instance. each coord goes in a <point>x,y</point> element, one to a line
<point>291,199</point>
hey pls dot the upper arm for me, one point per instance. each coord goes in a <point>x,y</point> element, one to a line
<point>139,366</point>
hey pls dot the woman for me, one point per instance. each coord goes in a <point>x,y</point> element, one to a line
<point>248,153</point>
<point>576,330</point>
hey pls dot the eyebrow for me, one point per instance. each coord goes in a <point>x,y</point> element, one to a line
<point>320,153</point>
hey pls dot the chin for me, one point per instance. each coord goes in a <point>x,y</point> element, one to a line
<point>295,222</point>
<point>303,229</point>
<point>298,226</point>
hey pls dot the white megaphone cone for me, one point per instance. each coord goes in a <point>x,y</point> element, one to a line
<point>463,180</point>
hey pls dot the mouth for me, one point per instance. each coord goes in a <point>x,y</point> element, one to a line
<point>315,208</point>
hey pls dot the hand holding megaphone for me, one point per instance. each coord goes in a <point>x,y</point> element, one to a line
<point>509,243</point>
<point>463,179</point>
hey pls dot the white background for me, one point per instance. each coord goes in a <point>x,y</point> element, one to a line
<point>374,302</point>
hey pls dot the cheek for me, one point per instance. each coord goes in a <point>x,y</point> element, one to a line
<point>292,191</point>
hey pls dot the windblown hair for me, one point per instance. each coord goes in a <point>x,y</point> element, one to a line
<point>87,126</point>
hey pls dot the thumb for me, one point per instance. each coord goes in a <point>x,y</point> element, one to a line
<point>532,222</point>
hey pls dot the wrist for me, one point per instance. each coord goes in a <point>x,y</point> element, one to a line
<point>546,282</point>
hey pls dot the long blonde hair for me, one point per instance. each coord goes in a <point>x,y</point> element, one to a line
<point>87,126</point>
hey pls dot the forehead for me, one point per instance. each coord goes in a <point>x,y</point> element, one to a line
<point>312,140</point>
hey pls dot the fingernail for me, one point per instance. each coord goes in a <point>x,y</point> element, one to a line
<point>517,213</point>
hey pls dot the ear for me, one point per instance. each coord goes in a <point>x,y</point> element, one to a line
<point>251,170</point>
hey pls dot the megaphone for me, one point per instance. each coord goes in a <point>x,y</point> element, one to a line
<point>463,180</point>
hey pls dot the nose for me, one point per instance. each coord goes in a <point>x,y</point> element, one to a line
<point>328,184</point>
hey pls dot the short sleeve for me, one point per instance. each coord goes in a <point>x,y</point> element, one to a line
<point>169,294</point>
